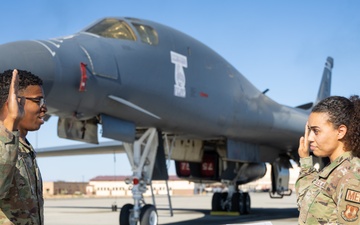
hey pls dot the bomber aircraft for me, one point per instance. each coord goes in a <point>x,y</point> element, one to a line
<point>159,93</point>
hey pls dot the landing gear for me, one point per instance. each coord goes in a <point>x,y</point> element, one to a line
<point>231,201</point>
<point>247,201</point>
<point>238,203</point>
<point>148,215</point>
<point>125,212</point>
<point>218,201</point>
<point>141,155</point>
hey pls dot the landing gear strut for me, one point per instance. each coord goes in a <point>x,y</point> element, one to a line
<point>141,155</point>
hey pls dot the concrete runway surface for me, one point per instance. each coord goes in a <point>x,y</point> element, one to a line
<point>188,210</point>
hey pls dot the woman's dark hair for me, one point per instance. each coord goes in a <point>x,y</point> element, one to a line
<point>344,111</point>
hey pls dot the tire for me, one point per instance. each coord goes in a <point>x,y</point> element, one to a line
<point>224,207</point>
<point>148,215</point>
<point>247,203</point>
<point>125,213</point>
<point>216,201</point>
<point>237,203</point>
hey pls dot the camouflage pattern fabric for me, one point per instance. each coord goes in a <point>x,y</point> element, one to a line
<point>21,200</point>
<point>331,196</point>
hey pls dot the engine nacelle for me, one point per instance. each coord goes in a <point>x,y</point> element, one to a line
<point>243,173</point>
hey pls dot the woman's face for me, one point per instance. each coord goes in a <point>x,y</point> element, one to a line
<point>324,139</point>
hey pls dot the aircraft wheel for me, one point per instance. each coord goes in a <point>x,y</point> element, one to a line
<point>247,203</point>
<point>148,215</point>
<point>237,203</point>
<point>125,214</point>
<point>216,201</point>
<point>223,204</point>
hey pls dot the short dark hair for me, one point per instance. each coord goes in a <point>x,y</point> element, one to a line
<point>25,79</point>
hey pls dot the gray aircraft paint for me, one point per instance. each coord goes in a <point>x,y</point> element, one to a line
<point>179,86</point>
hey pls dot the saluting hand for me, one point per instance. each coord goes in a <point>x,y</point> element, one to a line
<point>15,105</point>
<point>304,144</point>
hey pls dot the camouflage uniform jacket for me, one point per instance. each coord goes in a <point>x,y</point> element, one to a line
<point>21,200</point>
<point>331,196</point>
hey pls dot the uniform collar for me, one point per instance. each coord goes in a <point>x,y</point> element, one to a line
<point>26,146</point>
<point>338,161</point>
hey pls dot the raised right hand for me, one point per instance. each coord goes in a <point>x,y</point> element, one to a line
<point>15,105</point>
<point>303,149</point>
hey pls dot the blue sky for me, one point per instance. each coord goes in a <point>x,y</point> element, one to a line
<point>280,45</point>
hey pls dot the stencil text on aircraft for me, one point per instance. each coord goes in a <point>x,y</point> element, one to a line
<point>180,62</point>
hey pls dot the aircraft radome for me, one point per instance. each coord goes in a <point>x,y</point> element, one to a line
<point>163,93</point>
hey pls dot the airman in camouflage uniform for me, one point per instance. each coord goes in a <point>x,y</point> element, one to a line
<point>331,196</point>
<point>21,187</point>
<point>21,199</point>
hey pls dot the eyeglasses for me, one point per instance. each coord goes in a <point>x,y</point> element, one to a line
<point>39,100</point>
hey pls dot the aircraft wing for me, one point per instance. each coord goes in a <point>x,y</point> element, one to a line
<point>108,147</point>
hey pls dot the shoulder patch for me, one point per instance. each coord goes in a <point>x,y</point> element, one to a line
<point>350,214</point>
<point>352,196</point>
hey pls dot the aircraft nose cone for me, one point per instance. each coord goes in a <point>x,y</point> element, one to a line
<point>33,56</point>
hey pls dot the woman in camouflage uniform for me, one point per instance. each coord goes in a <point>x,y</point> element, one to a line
<point>331,196</point>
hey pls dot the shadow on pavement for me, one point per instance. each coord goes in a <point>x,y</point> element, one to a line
<point>257,214</point>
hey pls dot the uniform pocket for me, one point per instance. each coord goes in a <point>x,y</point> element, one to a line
<point>307,202</point>
<point>23,178</point>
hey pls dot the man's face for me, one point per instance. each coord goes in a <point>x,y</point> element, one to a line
<point>34,112</point>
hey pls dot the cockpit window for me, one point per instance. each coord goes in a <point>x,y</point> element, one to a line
<point>147,34</point>
<point>112,28</point>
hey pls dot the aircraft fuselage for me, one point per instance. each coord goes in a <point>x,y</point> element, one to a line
<point>178,79</point>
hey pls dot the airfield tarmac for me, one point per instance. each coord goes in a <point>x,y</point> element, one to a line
<point>188,210</point>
